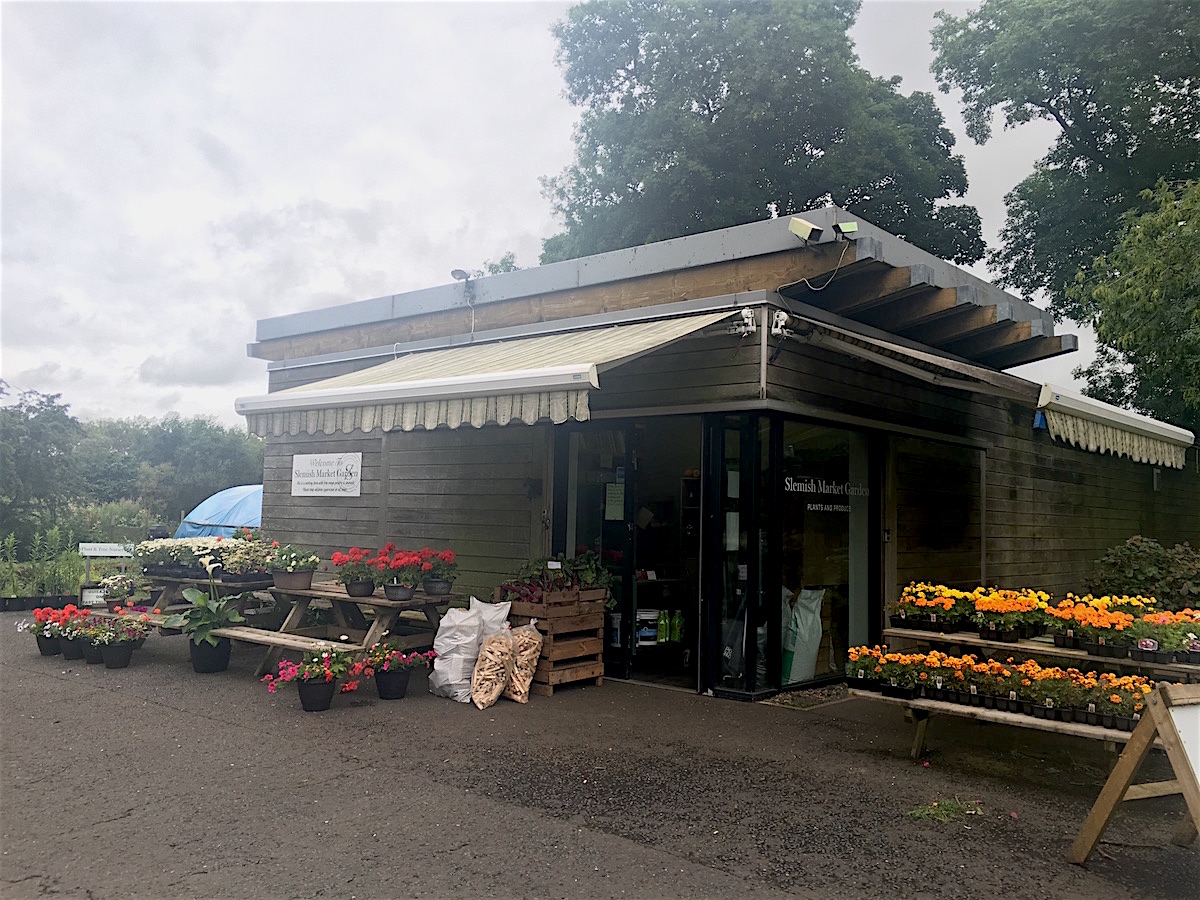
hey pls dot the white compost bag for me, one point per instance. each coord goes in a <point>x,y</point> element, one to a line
<point>457,646</point>
<point>494,615</point>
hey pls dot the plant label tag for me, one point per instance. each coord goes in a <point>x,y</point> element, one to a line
<point>1012,695</point>
<point>903,614</point>
<point>1070,632</point>
<point>933,617</point>
<point>1049,703</point>
<point>893,682</point>
<point>1137,717</point>
<point>1100,640</point>
<point>991,626</point>
<point>1194,646</point>
<point>553,564</point>
<point>1091,707</point>
<point>973,690</point>
<point>937,680</point>
<point>862,674</point>
<point>1147,644</point>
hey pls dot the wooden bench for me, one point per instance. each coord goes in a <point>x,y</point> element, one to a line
<point>283,640</point>
<point>922,710</point>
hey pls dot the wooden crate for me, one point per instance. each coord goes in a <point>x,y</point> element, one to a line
<point>572,642</point>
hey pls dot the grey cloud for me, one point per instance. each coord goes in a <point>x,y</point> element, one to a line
<point>219,155</point>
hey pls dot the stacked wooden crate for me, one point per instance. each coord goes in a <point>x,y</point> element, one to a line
<point>572,628</point>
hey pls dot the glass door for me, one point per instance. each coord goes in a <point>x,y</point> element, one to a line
<point>731,564</point>
<point>599,517</point>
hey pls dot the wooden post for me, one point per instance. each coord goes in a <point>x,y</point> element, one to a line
<point>1159,721</point>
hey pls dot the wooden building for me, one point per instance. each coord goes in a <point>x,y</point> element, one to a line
<point>765,431</point>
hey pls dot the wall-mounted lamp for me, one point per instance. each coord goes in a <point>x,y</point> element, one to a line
<point>749,323</point>
<point>779,323</point>
<point>460,274</point>
<point>847,230</point>
<point>804,229</point>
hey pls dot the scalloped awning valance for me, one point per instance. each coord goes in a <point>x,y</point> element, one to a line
<point>525,379</point>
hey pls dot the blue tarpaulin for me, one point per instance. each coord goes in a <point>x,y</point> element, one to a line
<point>224,512</point>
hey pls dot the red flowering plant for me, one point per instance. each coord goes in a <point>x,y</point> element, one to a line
<point>438,564</point>
<point>405,567</point>
<point>362,565</point>
<point>47,622</point>
<point>326,664</point>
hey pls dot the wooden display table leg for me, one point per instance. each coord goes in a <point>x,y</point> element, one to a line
<point>295,618</point>
<point>921,719</point>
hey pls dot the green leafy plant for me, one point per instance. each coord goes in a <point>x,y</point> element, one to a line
<point>208,611</point>
<point>8,565</point>
<point>1144,566</point>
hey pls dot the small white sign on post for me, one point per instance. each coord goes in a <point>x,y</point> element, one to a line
<point>327,475</point>
<point>104,551</point>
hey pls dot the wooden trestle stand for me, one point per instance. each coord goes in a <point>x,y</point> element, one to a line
<point>1172,714</point>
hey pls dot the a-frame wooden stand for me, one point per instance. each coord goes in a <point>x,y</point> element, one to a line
<point>1170,708</point>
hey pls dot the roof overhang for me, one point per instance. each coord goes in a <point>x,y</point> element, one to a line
<point>1104,428</point>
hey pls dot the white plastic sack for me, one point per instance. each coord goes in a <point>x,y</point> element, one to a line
<point>457,645</point>
<point>494,615</point>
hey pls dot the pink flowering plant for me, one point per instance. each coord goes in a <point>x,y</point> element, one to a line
<point>326,664</point>
<point>386,657</point>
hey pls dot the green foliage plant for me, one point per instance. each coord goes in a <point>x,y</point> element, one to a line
<point>208,611</point>
<point>1143,566</point>
<point>8,565</point>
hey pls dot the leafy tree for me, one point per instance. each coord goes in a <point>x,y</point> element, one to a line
<point>37,474</point>
<point>506,263</point>
<point>1120,81</point>
<point>1146,294</point>
<point>700,116</point>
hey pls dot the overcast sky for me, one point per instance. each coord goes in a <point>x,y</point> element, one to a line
<point>172,173</point>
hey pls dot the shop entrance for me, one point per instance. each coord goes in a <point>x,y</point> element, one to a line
<point>633,497</point>
<point>741,546</point>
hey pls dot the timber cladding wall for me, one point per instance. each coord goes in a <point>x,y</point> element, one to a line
<point>480,492</point>
<point>1049,511</point>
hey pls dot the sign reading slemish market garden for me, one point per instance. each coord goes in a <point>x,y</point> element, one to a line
<point>327,475</point>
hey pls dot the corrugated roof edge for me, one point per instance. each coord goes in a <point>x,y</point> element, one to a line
<point>738,242</point>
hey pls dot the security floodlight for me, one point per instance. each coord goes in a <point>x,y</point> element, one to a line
<point>848,230</point>
<point>779,323</point>
<point>749,323</point>
<point>460,275</point>
<point>805,230</point>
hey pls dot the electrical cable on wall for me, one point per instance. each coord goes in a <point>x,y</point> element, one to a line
<point>832,275</point>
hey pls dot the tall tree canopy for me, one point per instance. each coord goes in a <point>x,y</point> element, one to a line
<point>1121,81</point>
<point>700,116</point>
<point>1147,295</point>
<point>38,479</point>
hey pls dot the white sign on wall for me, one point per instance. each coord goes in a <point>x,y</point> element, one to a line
<point>327,475</point>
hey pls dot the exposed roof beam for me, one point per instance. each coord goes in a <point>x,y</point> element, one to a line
<point>956,324</point>
<point>990,339</point>
<point>1040,347</point>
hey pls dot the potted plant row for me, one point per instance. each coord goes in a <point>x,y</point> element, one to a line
<point>362,571</point>
<point>1070,695</point>
<point>77,634</point>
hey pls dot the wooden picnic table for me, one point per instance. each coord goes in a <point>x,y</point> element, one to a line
<point>173,587</point>
<point>353,628</point>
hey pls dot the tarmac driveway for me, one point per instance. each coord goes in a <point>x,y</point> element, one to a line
<point>153,781</point>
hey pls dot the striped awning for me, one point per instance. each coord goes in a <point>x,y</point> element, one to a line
<point>525,379</point>
<point>1103,428</point>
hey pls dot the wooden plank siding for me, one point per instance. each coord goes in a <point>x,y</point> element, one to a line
<point>765,272</point>
<point>478,491</point>
<point>1051,509</point>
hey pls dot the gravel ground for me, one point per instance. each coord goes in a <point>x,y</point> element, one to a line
<point>156,782</point>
